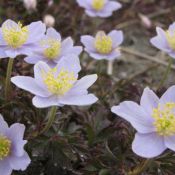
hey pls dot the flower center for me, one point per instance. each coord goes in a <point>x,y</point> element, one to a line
<point>5,146</point>
<point>98,4</point>
<point>15,36</point>
<point>103,43</point>
<point>171,39</point>
<point>53,48</point>
<point>59,83</point>
<point>164,117</point>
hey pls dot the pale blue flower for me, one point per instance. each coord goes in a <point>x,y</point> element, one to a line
<point>99,8</point>
<point>165,40</point>
<point>16,39</point>
<point>12,153</point>
<point>58,86</point>
<point>103,46</point>
<point>154,120</point>
<point>52,49</point>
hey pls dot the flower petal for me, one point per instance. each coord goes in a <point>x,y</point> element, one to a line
<point>11,53</point>
<point>170,142</point>
<point>16,133</point>
<point>29,84</point>
<point>2,53</point>
<point>41,68</point>
<point>149,100</point>
<point>168,96</point>
<point>5,168</point>
<point>36,31</point>
<point>91,12</point>
<point>148,145</point>
<point>68,42</point>
<point>70,62</point>
<point>80,100</point>
<point>111,56</point>
<point>33,59</point>
<point>172,27</point>
<point>51,32</point>
<point>136,115</point>
<point>19,163</point>
<point>172,54</point>
<point>112,6</point>
<point>44,102</point>
<point>3,125</point>
<point>160,40</point>
<point>67,47</point>
<point>84,3</point>
<point>81,86</point>
<point>117,37</point>
<point>88,42</point>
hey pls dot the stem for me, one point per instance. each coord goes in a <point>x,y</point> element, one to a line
<point>51,118</point>
<point>141,168</point>
<point>110,67</point>
<point>8,76</point>
<point>168,69</point>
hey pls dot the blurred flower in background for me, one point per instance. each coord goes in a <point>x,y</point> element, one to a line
<point>49,20</point>
<point>58,86</point>
<point>103,46</point>
<point>16,39</point>
<point>12,153</point>
<point>165,40</point>
<point>154,120</point>
<point>52,49</point>
<point>30,5</point>
<point>50,2</point>
<point>145,21</point>
<point>99,8</point>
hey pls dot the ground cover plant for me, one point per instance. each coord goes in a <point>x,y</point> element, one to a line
<point>87,87</point>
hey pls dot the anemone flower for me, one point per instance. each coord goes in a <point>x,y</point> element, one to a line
<point>165,40</point>
<point>16,39</point>
<point>154,120</point>
<point>58,86</point>
<point>53,49</point>
<point>12,153</point>
<point>99,8</point>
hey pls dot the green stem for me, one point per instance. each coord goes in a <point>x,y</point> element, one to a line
<point>110,67</point>
<point>141,168</point>
<point>51,118</point>
<point>168,69</point>
<point>8,76</point>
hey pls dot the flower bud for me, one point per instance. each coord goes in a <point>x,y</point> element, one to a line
<point>145,21</point>
<point>49,20</point>
<point>30,5</point>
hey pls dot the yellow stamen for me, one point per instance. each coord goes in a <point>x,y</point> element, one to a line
<point>103,43</point>
<point>59,83</point>
<point>14,36</point>
<point>98,4</point>
<point>164,117</point>
<point>171,39</point>
<point>53,48</point>
<point>5,146</point>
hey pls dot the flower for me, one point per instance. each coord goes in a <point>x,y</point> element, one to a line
<point>12,154</point>
<point>53,49</point>
<point>30,4</point>
<point>103,46</point>
<point>58,86</point>
<point>165,40</point>
<point>16,39</point>
<point>49,20</point>
<point>100,8</point>
<point>154,120</point>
